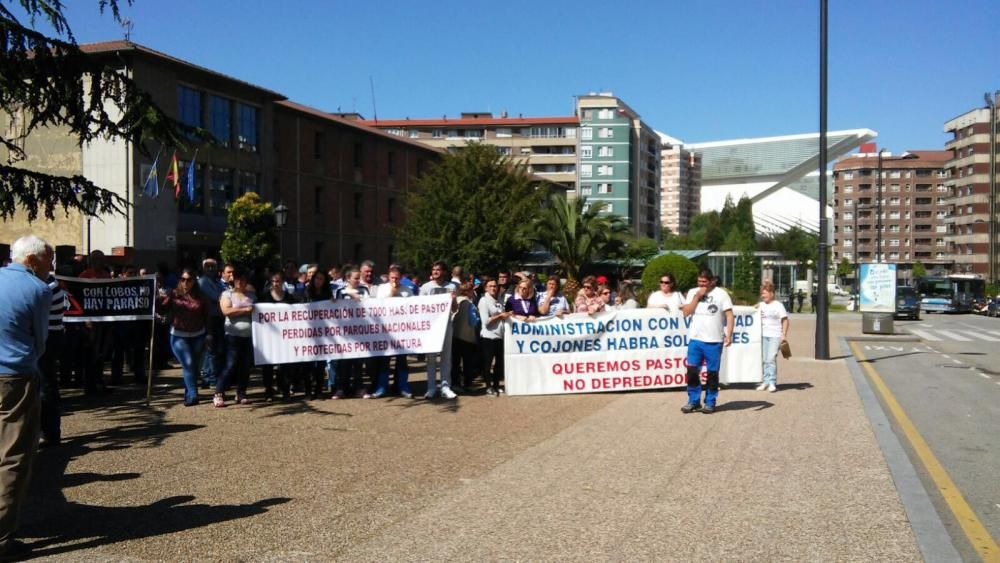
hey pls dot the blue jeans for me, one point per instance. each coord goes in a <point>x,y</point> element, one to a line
<point>769,347</point>
<point>188,350</point>
<point>239,360</point>
<point>711,354</point>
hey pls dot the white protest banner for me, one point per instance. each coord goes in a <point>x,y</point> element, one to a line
<point>618,351</point>
<point>344,329</point>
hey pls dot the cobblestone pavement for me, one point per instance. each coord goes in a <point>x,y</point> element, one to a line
<point>793,475</point>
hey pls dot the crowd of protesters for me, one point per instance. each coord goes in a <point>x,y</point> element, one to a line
<point>203,323</point>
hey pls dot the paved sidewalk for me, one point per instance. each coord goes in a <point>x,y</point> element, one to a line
<point>793,475</point>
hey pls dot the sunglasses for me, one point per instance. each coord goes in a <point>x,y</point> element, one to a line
<point>668,282</point>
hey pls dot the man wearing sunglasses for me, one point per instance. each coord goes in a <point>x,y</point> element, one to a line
<point>711,330</point>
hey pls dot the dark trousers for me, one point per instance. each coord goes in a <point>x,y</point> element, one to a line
<point>19,424</point>
<point>239,359</point>
<point>350,373</point>
<point>463,362</point>
<point>492,361</point>
<point>129,345</point>
<point>97,348</point>
<point>48,364</point>
<point>286,374</point>
<point>71,358</point>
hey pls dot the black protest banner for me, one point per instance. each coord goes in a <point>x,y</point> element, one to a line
<point>122,299</point>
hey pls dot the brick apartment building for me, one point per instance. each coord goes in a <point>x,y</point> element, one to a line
<point>969,185</point>
<point>343,182</point>
<point>680,182</point>
<point>915,209</point>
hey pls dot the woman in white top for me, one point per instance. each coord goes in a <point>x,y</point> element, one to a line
<point>666,297</point>
<point>625,299</point>
<point>774,329</point>
<point>237,307</point>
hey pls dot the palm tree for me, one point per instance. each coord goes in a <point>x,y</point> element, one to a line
<point>575,233</point>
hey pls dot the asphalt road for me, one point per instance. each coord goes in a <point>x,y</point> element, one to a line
<point>948,384</point>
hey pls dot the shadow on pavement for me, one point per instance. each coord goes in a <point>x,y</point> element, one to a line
<point>794,386</point>
<point>103,525</point>
<point>744,405</point>
<point>65,526</point>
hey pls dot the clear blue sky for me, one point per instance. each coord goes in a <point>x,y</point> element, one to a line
<point>699,70</point>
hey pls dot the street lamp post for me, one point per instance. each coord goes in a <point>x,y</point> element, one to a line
<point>878,211</point>
<point>280,220</point>
<point>89,205</point>
<point>822,320</point>
<point>991,104</point>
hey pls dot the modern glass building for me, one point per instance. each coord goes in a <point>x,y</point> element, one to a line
<point>780,174</point>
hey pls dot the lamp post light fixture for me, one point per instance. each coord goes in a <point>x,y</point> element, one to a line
<point>878,210</point>
<point>89,205</point>
<point>280,220</point>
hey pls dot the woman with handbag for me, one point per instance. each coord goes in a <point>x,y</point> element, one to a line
<point>774,330</point>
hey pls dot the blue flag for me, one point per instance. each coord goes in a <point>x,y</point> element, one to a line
<point>190,178</point>
<point>152,185</point>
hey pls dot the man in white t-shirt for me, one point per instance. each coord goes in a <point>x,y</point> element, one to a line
<point>439,284</point>
<point>711,329</point>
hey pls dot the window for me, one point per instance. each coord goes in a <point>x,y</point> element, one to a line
<point>848,175</point>
<point>586,152</point>
<point>357,205</point>
<point>894,201</point>
<point>586,133</point>
<point>605,170</point>
<point>504,132</point>
<point>358,154</point>
<point>189,106</point>
<point>318,145</point>
<point>390,163</point>
<point>318,200</point>
<point>570,132</point>
<point>437,133</point>
<point>848,229</point>
<point>221,190</point>
<point>414,134</point>
<point>390,209</point>
<point>606,114</point>
<point>507,151</point>
<point>848,215</point>
<point>248,128</point>
<point>893,228</point>
<point>848,243</point>
<point>604,188</point>
<point>586,189</point>
<point>221,120</point>
<point>606,133</point>
<point>894,242</point>
<point>473,133</point>
<point>848,189</point>
<point>894,187</point>
<point>396,132</point>
<point>586,170</point>
<point>848,203</point>
<point>606,151</point>
<point>249,182</point>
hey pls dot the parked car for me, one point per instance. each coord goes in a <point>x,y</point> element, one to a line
<point>907,303</point>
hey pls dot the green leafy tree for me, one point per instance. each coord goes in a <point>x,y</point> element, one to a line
<point>576,234</point>
<point>50,82</point>
<point>919,270</point>
<point>633,253</point>
<point>845,269</point>
<point>705,231</point>
<point>473,208</point>
<point>794,244</point>
<point>684,270</point>
<point>251,238</point>
<point>746,273</point>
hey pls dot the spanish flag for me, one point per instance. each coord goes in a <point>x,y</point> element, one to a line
<point>174,177</point>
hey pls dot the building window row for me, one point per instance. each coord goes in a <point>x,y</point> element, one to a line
<point>220,117</point>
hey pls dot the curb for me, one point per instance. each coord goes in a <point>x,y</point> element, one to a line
<point>932,538</point>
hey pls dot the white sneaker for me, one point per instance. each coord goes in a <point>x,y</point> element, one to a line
<point>431,393</point>
<point>447,393</point>
<point>762,387</point>
<point>771,388</point>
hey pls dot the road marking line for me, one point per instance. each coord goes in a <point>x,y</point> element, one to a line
<point>959,362</point>
<point>981,336</point>
<point>946,356</point>
<point>924,335</point>
<point>977,534</point>
<point>993,332</point>
<point>983,375</point>
<point>953,335</point>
